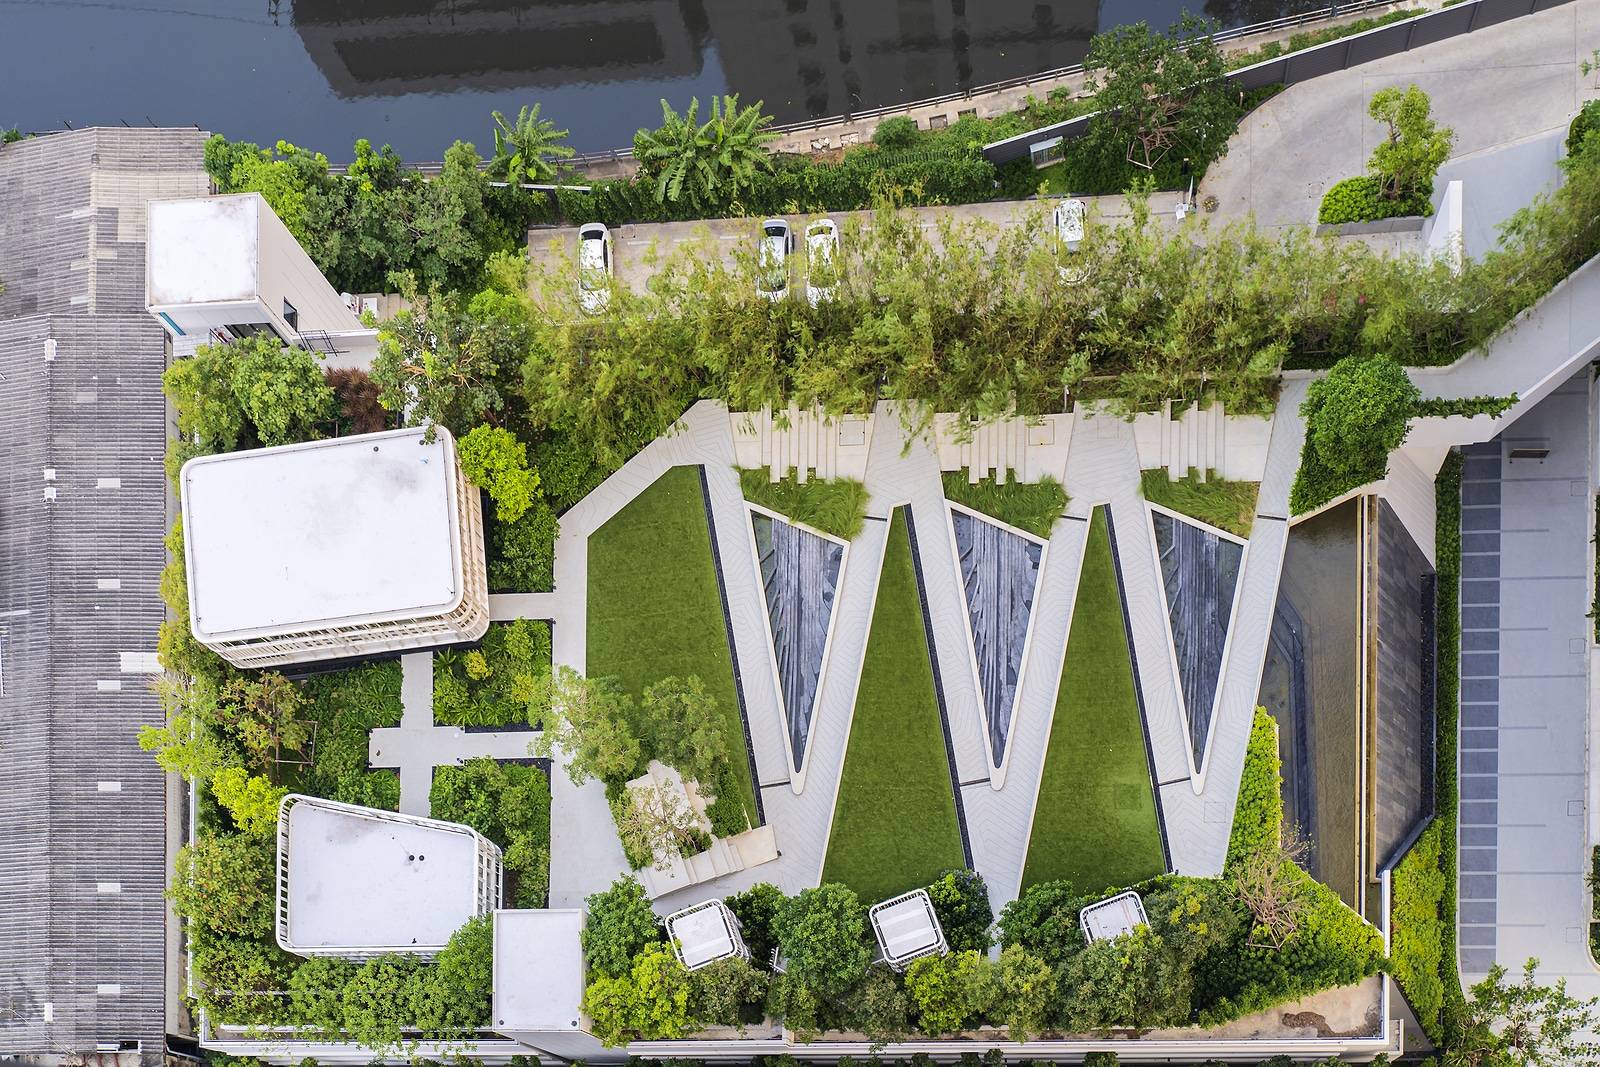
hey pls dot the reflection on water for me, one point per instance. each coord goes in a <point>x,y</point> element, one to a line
<point>1309,684</point>
<point>419,73</point>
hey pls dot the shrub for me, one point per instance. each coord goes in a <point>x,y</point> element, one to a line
<point>1044,920</point>
<point>757,910</point>
<point>951,992</point>
<point>522,554</point>
<point>251,801</point>
<point>496,684</point>
<point>346,706</point>
<point>1258,817</point>
<point>568,470</point>
<point>225,885</point>
<point>727,992</point>
<point>1131,980</point>
<point>649,1002</point>
<point>1416,947</point>
<point>823,934</point>
<point>495,461</point>
<point>1027,993</point>
<point>1361,199</point>
<point>621,925</point>
<point>879,1007</point>
<point>1355,416</point>
<point>377,1001</point>
<point>510,805</point>
<point>897,131</point>
<point>239,979</point>
<point>355,398</point>
<point>316,993</point>
<point>961,901</point>
<point>1584,122</point>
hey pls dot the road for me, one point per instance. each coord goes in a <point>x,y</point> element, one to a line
<point>630,244</point>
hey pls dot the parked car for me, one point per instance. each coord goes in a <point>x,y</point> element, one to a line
<point>822,248</point>
<point>772,263</point>
<point>595,268</point>
<point>1070,217</point>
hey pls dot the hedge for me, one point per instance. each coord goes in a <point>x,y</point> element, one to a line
<point>1586,121</point>
<point>1361,199</point>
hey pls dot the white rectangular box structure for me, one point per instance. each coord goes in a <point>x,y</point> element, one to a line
<point>347,547</point>
<point>222,267</point>
<point>358,882</point>
<point>539,980</point>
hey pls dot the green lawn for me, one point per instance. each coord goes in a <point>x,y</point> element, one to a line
<point>1226,505</point>
<point>654,608</point>
<point>894,826</point>
<point>1095,823</point>
<point>1030,506</point>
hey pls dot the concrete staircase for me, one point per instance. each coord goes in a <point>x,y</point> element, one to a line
<point>1203,439</point>
<point>811,443</point>
<point>727,855</point>
<point>1008,449</point>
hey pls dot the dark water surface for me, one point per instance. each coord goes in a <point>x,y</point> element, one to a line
<point>420,73</point>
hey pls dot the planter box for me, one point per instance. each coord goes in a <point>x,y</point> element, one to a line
<point>1399,224</point>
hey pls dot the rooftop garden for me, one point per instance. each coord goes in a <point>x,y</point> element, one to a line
<point>1094,821</point>
<point>836,506</point>
<point>1227,505</point>
<point>1032,507</point>
<point>894,822</point>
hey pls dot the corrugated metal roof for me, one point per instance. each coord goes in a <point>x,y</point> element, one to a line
<point>82,516</point>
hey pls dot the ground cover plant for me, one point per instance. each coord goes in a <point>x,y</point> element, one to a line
<point>1094,822</point>
<point>655,611</point>
<point>1030,506</point>
<point>837,505</point>
<point>495,683</point>
<point>509,803</point>
<point>1227,505</point>
<point>894,822</point>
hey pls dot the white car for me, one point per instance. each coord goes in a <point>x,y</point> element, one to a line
<point>822,248</point>
<point>594,268</point>
<point>772,260</point>
<point>1069,217</point>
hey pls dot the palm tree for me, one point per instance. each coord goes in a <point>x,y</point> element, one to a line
<point>705,163</point>
<point>526,151</point>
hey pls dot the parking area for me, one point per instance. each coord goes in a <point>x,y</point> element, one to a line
<point>631,244</point>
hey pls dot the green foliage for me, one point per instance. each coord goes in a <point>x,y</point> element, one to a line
<point>1417,936</point>
<point>595,724</point>
<point>1044,921</point>
<point>727,993</point>
<point>896,131</point>
<point>1132,980</point>
<point>1324,35</point>
<point>251,801</point>
<point>224,885</point>
<point>688,731</point>
<point>508,685</point>
<point>377,1001</point>
<point>452,998</point>
<point>1258,817</point>
<point>700,163</point>
<point>1030,506</point>
<point>346,706</point>
<point>757,910</point>
<point>252,391</point>
<point>879,1007</point>
<point>1524,1024</point>
<point>650,1002</point>
<point>494,460</point>
<point>1361,199</point>
<point>1026,993</point>
<point>1226,505</point>
<point>510,805</point>
<point>837,506</point>
<point>620,927</point>
<point>528,149</point>
<point>1355,416</point>
<point>961,901</point>
<point>568,471</point>
<point>1583,123</point>
<point>522,554</point>
<point>239,979</point>
<point>316,994</point>
<point>1438,407</point>
<point>823,934</point>
<point>951,992</point>
<point>1414,147</point>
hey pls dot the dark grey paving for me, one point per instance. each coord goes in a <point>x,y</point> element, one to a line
<point>999,577</point>
<point>1402,726</point>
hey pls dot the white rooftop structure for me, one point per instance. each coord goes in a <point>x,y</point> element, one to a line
<point>539,979</point>
<point>345,547</point>
<point>906,928</point>
<point>222,267</point>
<point>705,933</point>
<point>357,882</point>
<point>1113,917</point>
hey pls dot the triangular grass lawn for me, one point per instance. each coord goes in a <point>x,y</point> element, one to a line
<point>1095,823</point>
<point>894,826</point>
<point>654,607</point>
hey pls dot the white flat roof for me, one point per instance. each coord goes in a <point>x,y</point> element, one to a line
<point>355,529</point>
<point>359,882</point>
<point>1114,917</point>
<point>203,250</point>
<point>906,927</point>
<point>703,934</point>
<point>538,969</point>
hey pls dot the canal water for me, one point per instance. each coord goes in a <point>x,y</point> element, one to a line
<point>420,73</point>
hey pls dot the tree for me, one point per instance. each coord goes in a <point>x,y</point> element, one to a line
<point>495,461</point>
<point>823,931</point>
<point>316,993</point>
<point>224,884</point>
<point>454,232</point>
<point>1414,148</point>
<point>621,925</point>
<point>656,824</point>
<point>451,999</point>
<point>355,397</point>
<point>251,800</point>
<point>201,389</point>
<point>1194,916</point>
<point>1133,980</point>
<point>688,730</point>
<point>1044,920</point>
<point>1027,993</point>
<point>186,744</point>
<point>961,902</point>
<point>1357,414</point>
<point>1524,1024</point>
<point>705,163</point>
<point>1156,92</point>
<point>649,1003</point>
<point>757,910</point>
<point>952,992</point>
<point>591,720</point>
<point>1274,891</point>
<point>263,715</point>
<point>721,993</point>
<point>377,1001</point>
<point>526,150</point>
<point>281,390</point>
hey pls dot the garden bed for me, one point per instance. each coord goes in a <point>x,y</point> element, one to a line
<point>1095,821</point>
<point>509,803</point>
<point>1030,506</point>
<point>1227,505</point>
<point>655,609</point>
<point>894,823</point>
<point>836,506</point>
<point>495,684</point>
